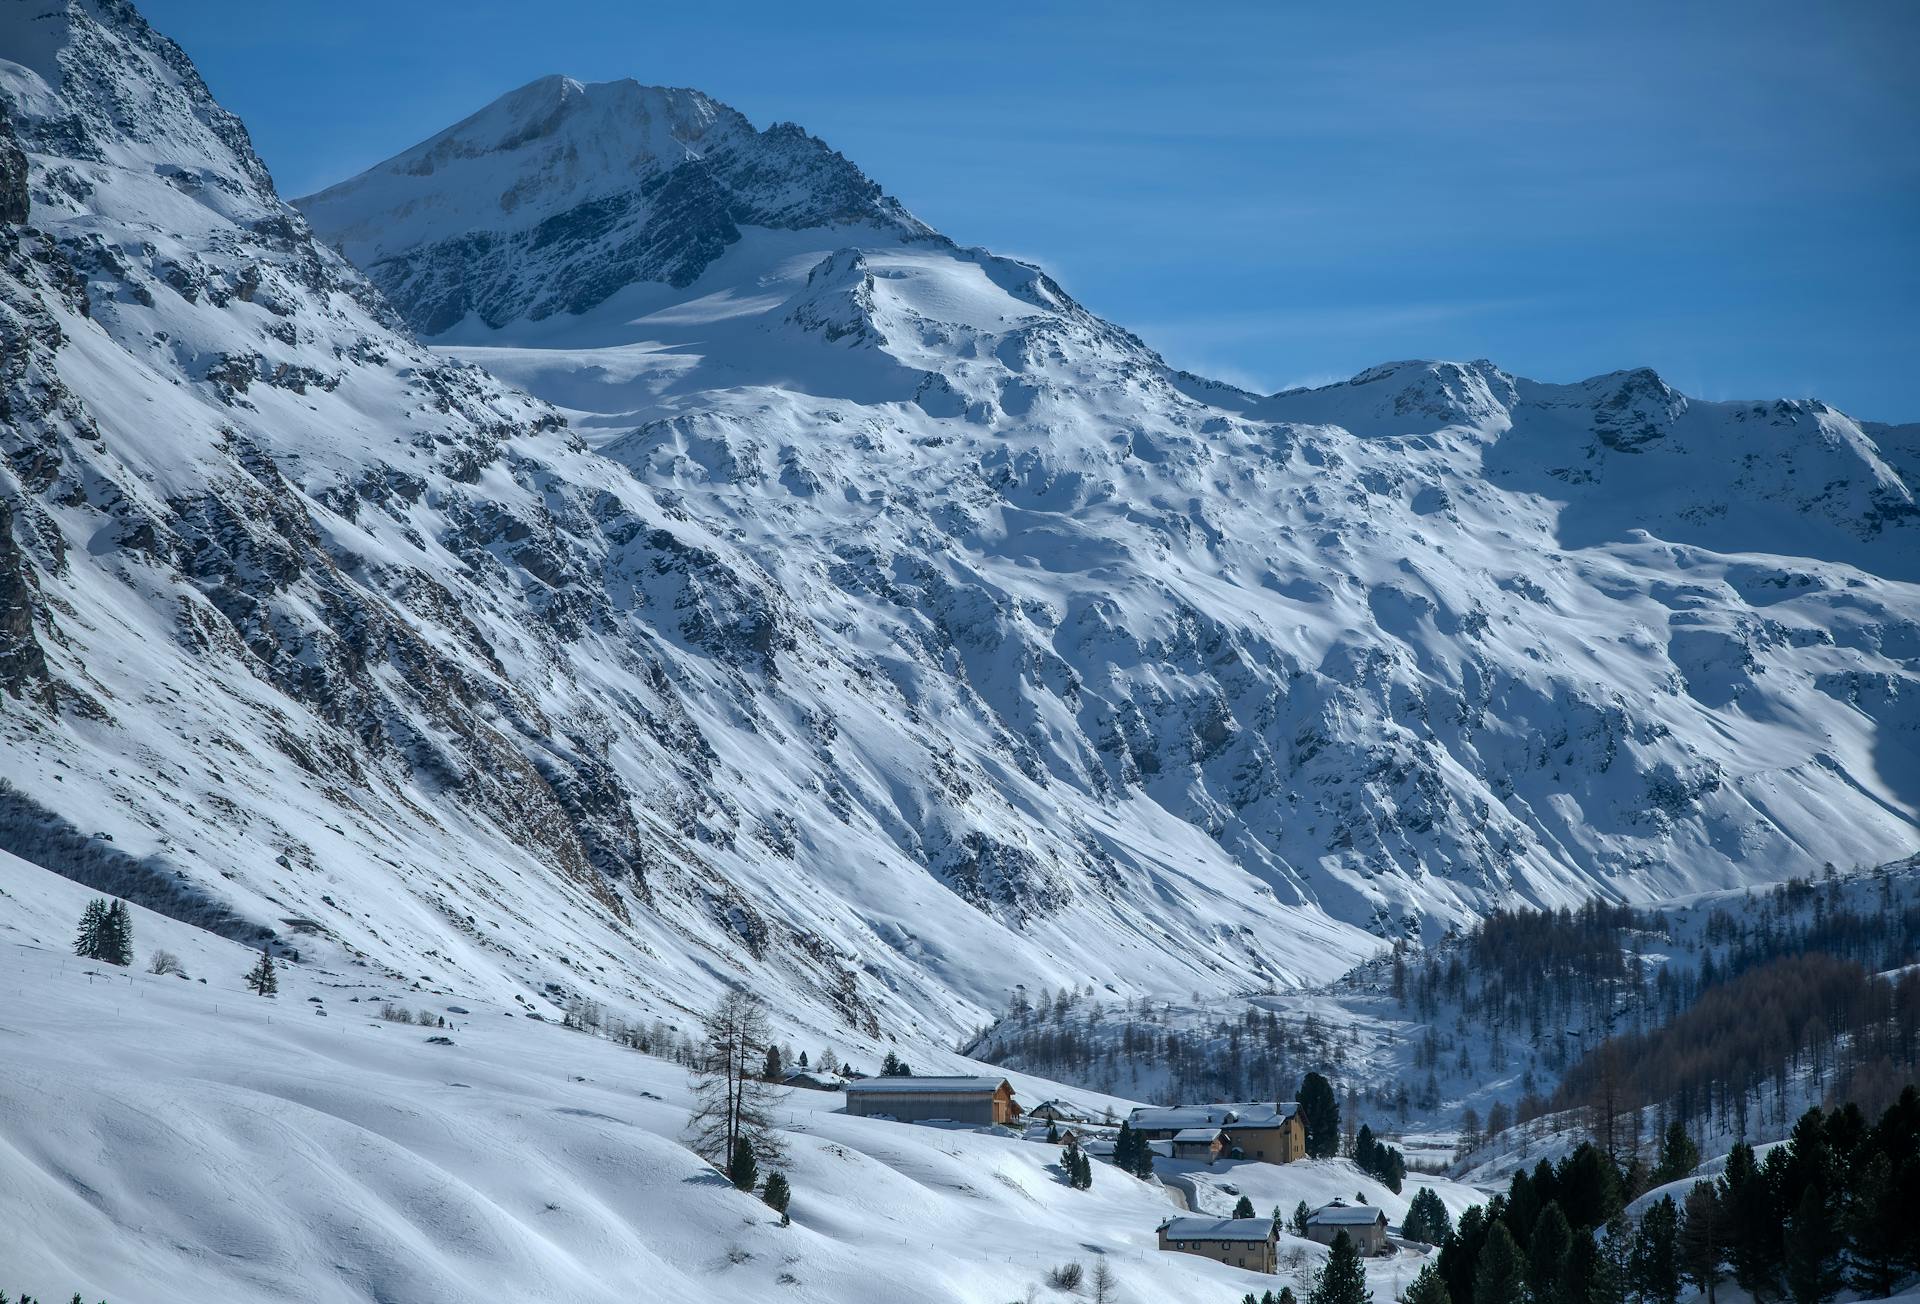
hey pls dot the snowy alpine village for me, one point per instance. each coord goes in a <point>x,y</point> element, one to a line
<point>803,652</point>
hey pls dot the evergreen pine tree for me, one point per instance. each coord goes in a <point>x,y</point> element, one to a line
<point>778,1194</point>
<point>1320,1111</point>
<point>1428,1288</point>
<point>1549,1248</point>
<point>1053,1133</point>
<point>263,978</point>
<point>1812,1258</point>
<point>1876,1223</point>
<point>1610,1279</point>
<point>1654,1265</point>
<point>116,943</point>
<point>1342,1280</point>
<point>1753,1228</point>
<point>773,1070</point>
<point>1427,1219</point>
<point>743,1171</point>
<point>1587,1185</point>
<point>93,922</point>
<point>1244,1209</point>
<point>890,1066</point>
<point>1300,1215</point>
<point>1499,1277</point>
<point>1703,1237</point>
<point>1679,1156</point>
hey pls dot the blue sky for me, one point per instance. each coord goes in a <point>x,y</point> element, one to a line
<point>1271,194</point>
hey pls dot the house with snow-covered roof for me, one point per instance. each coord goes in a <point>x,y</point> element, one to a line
<point>1250,1243</point>
<point>1060,1112</point>
<point>1364,1225</point>
<point>1273,1133</point>
<point>983,1101</point>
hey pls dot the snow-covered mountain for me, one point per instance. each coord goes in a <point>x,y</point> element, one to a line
<point>1400,648</point>
<point>866,620</point>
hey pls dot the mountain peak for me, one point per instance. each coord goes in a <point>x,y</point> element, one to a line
<point>561,192</point>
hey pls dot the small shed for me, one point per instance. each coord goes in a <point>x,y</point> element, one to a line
<point>1201,1143</point>
<point>1364,1225</point>
<point>982,1101</point>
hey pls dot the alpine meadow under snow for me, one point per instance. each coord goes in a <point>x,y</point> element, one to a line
<point>609,555</point>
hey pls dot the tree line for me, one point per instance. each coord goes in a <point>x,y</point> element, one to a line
<point>1828,1209</point>
<point>1808,1020</point>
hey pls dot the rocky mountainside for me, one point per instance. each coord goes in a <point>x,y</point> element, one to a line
<point>1401,648</point>
<point>313,634</point>
<point>851,614</point>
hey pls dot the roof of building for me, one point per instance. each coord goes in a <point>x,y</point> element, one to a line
<point>1257,1113</point>
<point>1263,1113</point>
<point>1197,1134</point>
<point>1341,1214</point>
<point>1181,1116</point>
<point>913,1086</point>
<point>1219,1229</point>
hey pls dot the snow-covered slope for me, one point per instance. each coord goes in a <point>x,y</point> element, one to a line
<point>182,1141</point>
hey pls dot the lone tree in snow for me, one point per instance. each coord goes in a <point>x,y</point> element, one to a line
<point>1102,1282</point>
<point>732,1104</point>
<point>106,932</point>
<point>778,1195</point>
<point>1244,1209</point>
<point>1320,1111</point>
<point>264,978</point>
<point>773,1070</point>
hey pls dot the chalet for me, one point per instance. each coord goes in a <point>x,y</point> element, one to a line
<point>1250,1243</point>
<point>1364,1225</point>
<point>1201,1143</point>
<point>980,1101</point>
<point>1058,1111</point>
<point>1268,1134</point>
<point>813,1081</point>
